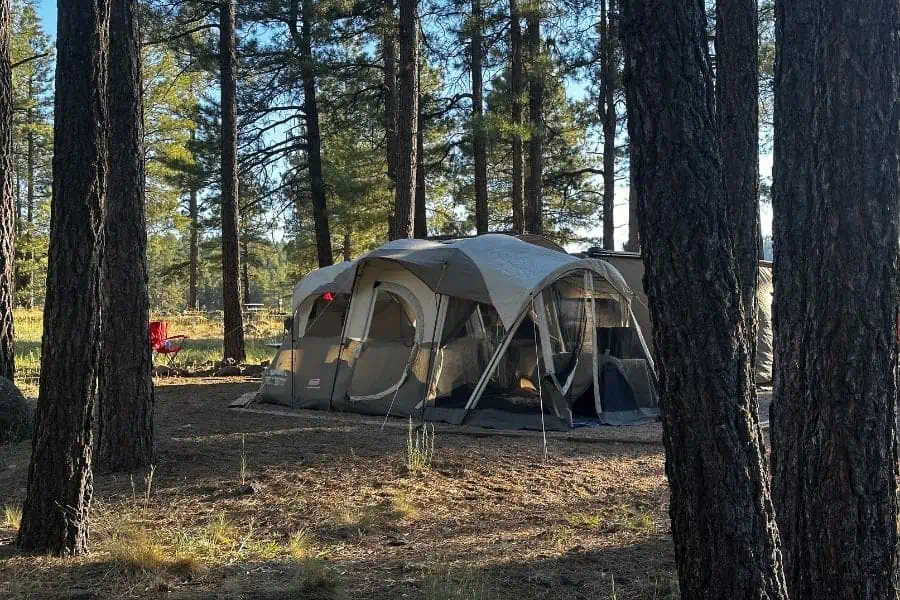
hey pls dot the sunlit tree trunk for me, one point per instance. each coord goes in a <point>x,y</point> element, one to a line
<point>7,200</point>
<point>479,143</point>
<point>389,51</point>
<point>194,252</point>
<point>347,250</point>
<point>405,193</point>
<point>303,38</point>
<point>231,290</point>
<point>516,89</point>
<point>420,219</point>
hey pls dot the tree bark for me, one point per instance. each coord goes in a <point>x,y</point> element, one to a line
<point>534,208</point>
<point>7,200</point>
<point>408,123</point>
<point>835,189</point>
<point>515,90</point>
<point>125,423</point>
<point>479,144</point>
<point>389,50</point>
<point>194,252</point>
<point>29,141</point>
<point>245,269</point>
<point>608,40</point>
<point>59,489</point>
<point>634,239</point>
<point>792,237</point>
<point>723,523</point>
<point>737,103</point>
<point>420,219</point>
<point>231,291</point>
<point>347,250</point>
<point>313,133</point>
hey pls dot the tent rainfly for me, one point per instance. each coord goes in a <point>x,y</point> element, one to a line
<point>493,331</point>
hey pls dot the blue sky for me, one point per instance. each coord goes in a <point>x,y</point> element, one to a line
<point>47,12</point>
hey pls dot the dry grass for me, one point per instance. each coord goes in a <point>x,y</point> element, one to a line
<point>12,517</point>
<point>338,514</point>
<point>467,585</point>
<point>134,551</point>
<point>204,343</point>
<point>419,447</point>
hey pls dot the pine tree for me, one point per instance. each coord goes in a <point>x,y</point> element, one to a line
<point>59,489</point>
<point>231,263</point>
<point>476,52</point>
<point>723,524</point>
<point>534,206</point>
<point>125,417</point>
<point>834,198</point>
<point>404,198</point>
<point>7,199</point>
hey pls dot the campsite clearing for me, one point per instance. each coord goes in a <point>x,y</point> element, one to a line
<point>323,505</point>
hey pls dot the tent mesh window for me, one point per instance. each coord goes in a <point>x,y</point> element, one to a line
<point>470,334</point>
<point>326,318</point>
<point>387,352</point>
<point>514,385</point>
<point>392,320</point>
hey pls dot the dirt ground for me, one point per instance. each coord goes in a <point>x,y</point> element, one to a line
<point>323,505</point>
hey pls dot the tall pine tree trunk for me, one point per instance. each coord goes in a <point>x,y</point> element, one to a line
<point>231,291</point>
<point>125,423</point>
<point>515,89</point>
<point>347,250</point>
<point>29,141</point>
<point>404,196</point>
<point>245,268</point>
<point>7,199</point>
<point>723,523</point>
<point>608,41</point>
<point>479,142</point>
<point>534,207</point>
<point>26,278</point>
<point>634,239</point>
<point>60,482</point>
<point>737,100</point>
<point>389,49</point>
<point>835,190</point>
<point>194,252</point>
<point>303,38</point>
<point>420,219</point>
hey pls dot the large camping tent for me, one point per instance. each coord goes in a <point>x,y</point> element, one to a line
<point>631,267</point>
<point>493,331</point>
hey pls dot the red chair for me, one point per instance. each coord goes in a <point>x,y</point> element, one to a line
<point>162,344</point>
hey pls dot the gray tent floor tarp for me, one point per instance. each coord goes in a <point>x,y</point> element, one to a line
<point>647,433</point>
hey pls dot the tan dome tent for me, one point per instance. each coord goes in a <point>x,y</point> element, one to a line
<point>492,331</point>
<point>631,267</point>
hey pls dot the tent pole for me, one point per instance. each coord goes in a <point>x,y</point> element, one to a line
<point>340,355</point>
<point>439,318</point>
<point>540,386</point>
<point>643,342</point>
<point>495,359</point>
<point>589,282</point>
